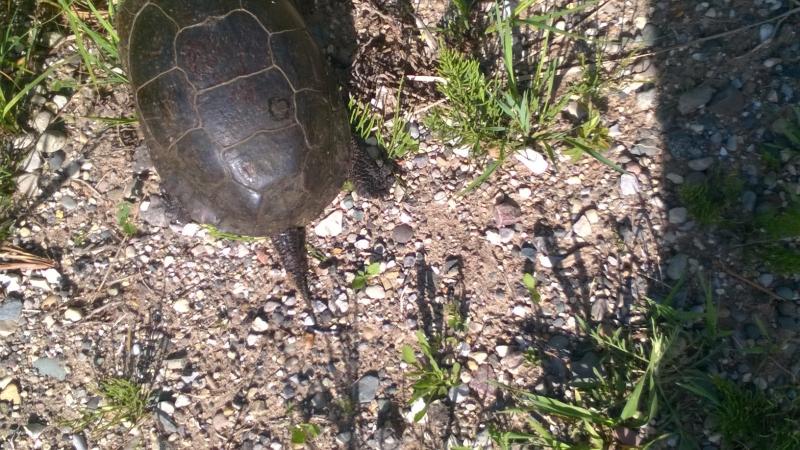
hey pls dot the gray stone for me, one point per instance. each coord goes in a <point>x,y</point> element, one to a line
<point>402,233</point>
<point>766,279</point>
<point>766,32</point>
<point>34,429</point>
<point>457,394</point>
<point>694,98</point>
<point>156,212</point>
<point>56,159</point>
<point>582,227</point>
<point>584,368</point>
<point>68,203</point>
<point>678,216</point>
<point>730,102</point>
<point>558,342</point>
<point>28,184</point>
<point>787,309</point>
<point>50,367</point>
<point>50,141</point>
<point>375,292</point>
<point>682,145</point>
<point>786,292</point>
<point>11,310</point>
<point>628,184</point>
<point>32,162</point>
<point>168,425</point>
<point>649,35</point>
<point>330,225</point>
<point>648,147</point>
<point>677,266</point>
<point>367,388</point>
<point>42,120</point>
<point>646,99</point>
<point>701,164</point>
<point>141,160</point>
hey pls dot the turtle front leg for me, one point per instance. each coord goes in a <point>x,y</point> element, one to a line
<point>370,179</point>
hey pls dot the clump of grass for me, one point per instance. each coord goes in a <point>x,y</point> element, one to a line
<point>392,136</point>
<point>749,419</point>
<point>432,380</point>
<point>497,116</point>
<point>711,201</point>
<point>124,402</point>
<point>636,381</point>
<point>95,38</point>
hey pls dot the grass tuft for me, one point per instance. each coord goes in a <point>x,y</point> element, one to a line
<point>124,402</point>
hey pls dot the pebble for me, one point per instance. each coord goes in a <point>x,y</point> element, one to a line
<point>402,233</point>
<point>154,212</point>
<point>694,98</point>
<point>501,350</point>
<point>10,393</point>
<point>60,101</point>
<point>73,314</point>
<point>42,120</point>
<point>79,442</point>
<point>51,141</point>
<point>677,266</point>
<point>766,279</point>
<point>583,227</point>
<point>330,225</point>
<point>786,293</point>
<point>367,388</point>
<point>506,212</point>
<point>532,160</point>
<point>649,35</point>
<point>182,401</point>
<point>493,237</point>
<point>766,31</point>
<point>50,367</point>
<point>520,311</point>
<point>457,394</point>
<point>68,202</point>
<point>646,99</point>
<point>259,325</point>
<point>628,184</point>
<point>28,186</point>
<point>190,229</point>
<point>141,160</point>
<point>375,292</point>
<point>32,162</point>
<point>701,164</point>
<point>34,429</point>
<point>56,159</point>
<point>678,215</point>
<point>181,306</point>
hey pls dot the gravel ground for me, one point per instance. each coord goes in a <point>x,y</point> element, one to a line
<point>216,324</point>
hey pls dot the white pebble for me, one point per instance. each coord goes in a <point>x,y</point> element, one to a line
<point>181,306</point>
<point>73,314</point>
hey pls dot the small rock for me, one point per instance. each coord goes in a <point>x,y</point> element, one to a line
<point>506,212</point>
<point>766,31</point>
<point>678,216</point>
<point>649,35</point>
<point>10,393</point>
<point>402,233</point>
<point>60,101</point>
<point>533,160</point>
<point>416,408</point>
<point>141,160</point>
<point>166,422</point>
<point>701,164</point>
<point>375,292</point>
<point>582,227</point>
<point>51,141</point>
<point>190,229</point>
<point>68,202</point>
<point>220,422</point>
<point>42,120</point>
<point>457,394</point>
<point>154,212</point>
<point>520,311</point>
<point>50,367</point>
<point>576,110</point>
<point>32,162</point>
<point>182,401</point>
<point>79,442</point>
<point>646,99</point>
<point>259,325</point>
<point>694,98</point>
<point>330,225</point>
<point>677,266</point>
<point>181,306</point>
<point>501,350</point>
<point>34,429</point>
<point>628,185</point>
<point>367,388</point>
<point>56,159</point>
<point>73,314</point>
<point>558,342</point>
<point>766,279</point>
<point>729,102</point>
<point>493,237</point>
<point>28,185</point>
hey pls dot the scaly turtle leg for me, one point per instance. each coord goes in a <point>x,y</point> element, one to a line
<point>291,246</point>
<point>370,179</point>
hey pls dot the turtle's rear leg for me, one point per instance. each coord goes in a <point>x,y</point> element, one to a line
<point>370,179</point>
<point>291,246</point>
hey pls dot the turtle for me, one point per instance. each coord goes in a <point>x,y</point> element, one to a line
<point>244,121</point>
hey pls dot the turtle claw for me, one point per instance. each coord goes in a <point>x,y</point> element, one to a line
<point>370,178</point>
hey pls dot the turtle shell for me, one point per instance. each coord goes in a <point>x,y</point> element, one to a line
<point>245,126</point>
